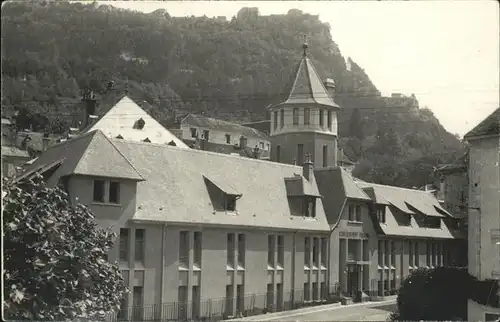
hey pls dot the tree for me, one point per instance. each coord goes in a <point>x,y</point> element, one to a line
<point>441,294</point>
<point>356,125</point>
<point>55,262</point>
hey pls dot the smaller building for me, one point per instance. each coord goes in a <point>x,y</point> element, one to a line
<point>381,233</point>
<point>484,209</point>
<point>220,136</point>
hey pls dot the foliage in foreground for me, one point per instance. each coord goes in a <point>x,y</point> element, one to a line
<point>55,265</point>
<point>441,294</point>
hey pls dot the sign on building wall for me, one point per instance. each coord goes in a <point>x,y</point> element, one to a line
<point>353,234</point>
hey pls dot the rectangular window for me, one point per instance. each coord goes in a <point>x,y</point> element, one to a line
<point>307,292</point>
<point>278,153</point>
<point>307,252</point>
<point>114,192</point>
<point>325,156</point>
<point>307,116</point>
<point>182,299</point>
<point>282,118</point>
<point>351,213</point>
<point>206,135</point>
<point>410,254</point>
<point>309,210</point>
<point>417,257</point>
<point>323,291</point>
<point>275,120</point>
<point>241,250</point>
<point>321,118</point>
<point>261,145</point>
<point>386,253</point>
<point>439,255</point>
<point>124,244</point>
<point>295,116</point>
<point>358,213</point>
<point>381,213</point>
<point>300,154</point>
<point>240,298</point>
<point>380,253</point>
<point>139,244</point>
<point>230,249</point>
<point>316,252</point>
<point>138,300</point>
<point>281,251</point>
<point>270,296</point>
<point>270,250</point>
<point>229,202</point>
<point>229,299</point>
<point>393,254</point>
<point>197,249</point>
<point>184,249</point>
<point>98,190</point>
<point>434,248</point>
<point>279,296</point>
<point>324,251</point>
<point>353,249</point>
<point>428,255</point>
<point>194,132</point>
<point>315,291</point>
<point>228,139</point>
<point>195,310</point>
<point>329,120</point>
<point>366,251</point>
<point>123,313</point>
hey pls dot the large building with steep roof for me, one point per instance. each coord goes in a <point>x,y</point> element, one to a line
<point>484,209</point>
<point>381,233</point>
<point>306,120</point>
<point>201,234</point>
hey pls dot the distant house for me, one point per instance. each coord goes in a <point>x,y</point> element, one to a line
<point>484,209</point>
<point>128,121</point>
<point>220,136</point>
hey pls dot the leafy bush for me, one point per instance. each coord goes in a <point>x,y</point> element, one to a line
<point>441,294</point>
<point>55,265</point>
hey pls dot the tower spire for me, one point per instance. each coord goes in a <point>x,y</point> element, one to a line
<point>304,46</point>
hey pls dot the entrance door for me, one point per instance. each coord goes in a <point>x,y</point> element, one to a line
<point>353,281</point>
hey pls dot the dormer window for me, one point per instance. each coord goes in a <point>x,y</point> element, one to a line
<point>222,195</point>
<point>309,207</point>
<point>139,124</point>
<point>119,137</point>
<point>147,140</point>
<point>432,222</point>
<point>172,143</point>
<point>381,213</point>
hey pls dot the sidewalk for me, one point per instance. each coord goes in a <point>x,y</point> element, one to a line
<point>309,310</point>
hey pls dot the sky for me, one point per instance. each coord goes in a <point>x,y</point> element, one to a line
<point>445,52</point>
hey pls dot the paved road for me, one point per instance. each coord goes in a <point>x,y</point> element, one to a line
<point>371,312</point>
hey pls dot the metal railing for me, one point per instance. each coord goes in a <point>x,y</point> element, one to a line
<point>224,308</point>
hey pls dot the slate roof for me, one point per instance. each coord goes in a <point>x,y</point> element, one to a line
<point>230,149</point>
<point>409,201</point>
<point>222,126</point>
<point>90,154</point>
<point>300,186</point>
<point>489,126</point>
<point>307,87</point>
<point>335,185</point>
<point>120,120</point>
<point>174,189</point>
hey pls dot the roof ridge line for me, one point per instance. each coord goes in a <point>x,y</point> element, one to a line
<point>126,159</point>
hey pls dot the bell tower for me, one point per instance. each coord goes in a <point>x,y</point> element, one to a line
<point>306,121</point>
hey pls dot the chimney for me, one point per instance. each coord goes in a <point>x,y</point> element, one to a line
<point>243,142</point>
<point>112,92</point>
<point>330,86</point>
<point>307,167</point>
<point>90,107</point>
